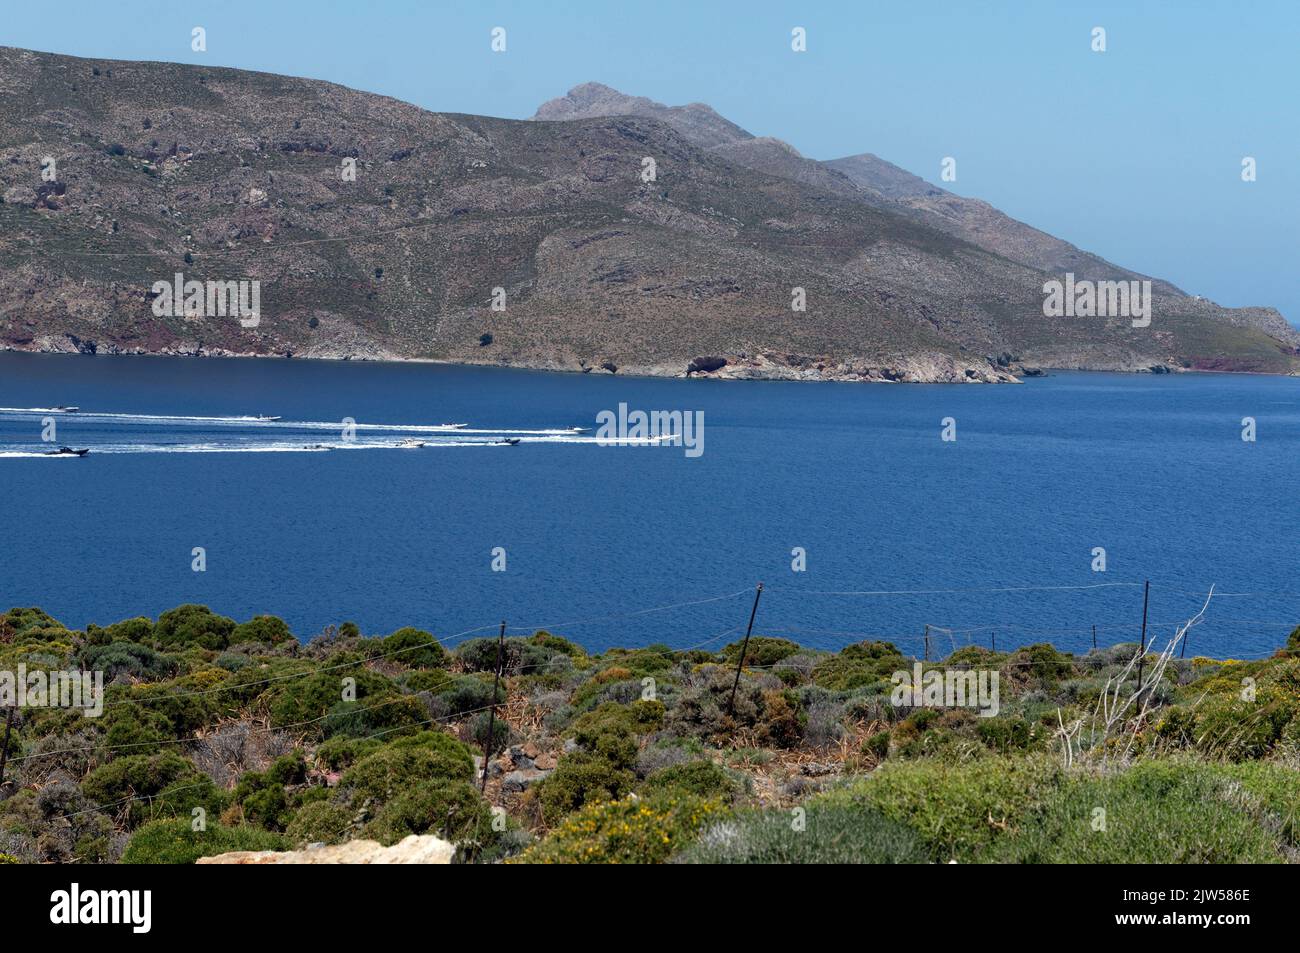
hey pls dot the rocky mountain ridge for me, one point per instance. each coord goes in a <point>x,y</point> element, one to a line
<point>538,244</point>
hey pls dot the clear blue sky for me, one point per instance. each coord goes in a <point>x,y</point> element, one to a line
<point>1134,153</point>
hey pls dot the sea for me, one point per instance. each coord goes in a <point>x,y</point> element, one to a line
<point>932,516</point>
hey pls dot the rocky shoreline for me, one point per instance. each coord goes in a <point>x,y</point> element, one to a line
<point>934,368</point>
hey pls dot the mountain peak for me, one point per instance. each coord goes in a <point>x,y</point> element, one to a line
<point>699,123</point>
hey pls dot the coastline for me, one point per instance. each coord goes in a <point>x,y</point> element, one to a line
<point>752,369</point>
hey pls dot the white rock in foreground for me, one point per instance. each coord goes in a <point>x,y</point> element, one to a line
<point>416,849</point>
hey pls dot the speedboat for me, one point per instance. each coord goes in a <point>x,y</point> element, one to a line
<point>67,452</point>
<point>410,443</point>
<point>262,418</point>
<point>66,410</point>
<point>578,429</point>
<point>315,446</point>
<point>510,441</point>
<point>455,426</point>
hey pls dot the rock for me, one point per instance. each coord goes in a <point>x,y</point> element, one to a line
<point>20,195</point>
<point>416,849</point>
<point>815,770</point>
<point>520,780</point>
<point>520,757</point>
<point>531,750</point>
<point>570,746</point>
<point>545,762</point>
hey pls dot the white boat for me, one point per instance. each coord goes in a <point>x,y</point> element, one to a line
<point>262,418</point>
<point>410,443</point>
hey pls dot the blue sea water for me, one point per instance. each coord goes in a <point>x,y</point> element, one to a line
<point>1152,468</point>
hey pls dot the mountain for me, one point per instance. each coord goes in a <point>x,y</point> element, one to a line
<point>883,185</point>
<point>226,175</point>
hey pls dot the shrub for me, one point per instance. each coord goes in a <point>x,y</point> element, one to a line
<point>518,656</point>
<point>319,822</point>
<point>138,629</point>
<point>262,628</point>
<point>701,778</point>
<point>469,693</point>
<point>428,680</point>
<point>763,651</point>
<point>1155,813</point>
<point>453,810</point>
<point>1040,664</point>
<point>611,717</point>
<point>414,648</point>
<point>341,751</point>
<point>174,842</point>
<point>627,831</point>
<point>127,658</point>
<point>1237,730</point>
<point>579,778</point>
<point>385,773</point>
<point>295,701</point>
<point>17,621</point>
<point>138,777</point>
<point>856,666</point>
<point>877,745</point>
<point>957,810</point>
<point>193,625</point>
<point>832,834</point>
<point>475,731</point>
<point>1006,734</point>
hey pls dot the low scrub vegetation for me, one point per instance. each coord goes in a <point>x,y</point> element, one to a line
<point>219,735</point>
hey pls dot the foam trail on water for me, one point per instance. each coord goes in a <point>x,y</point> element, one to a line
<point>252,421</point>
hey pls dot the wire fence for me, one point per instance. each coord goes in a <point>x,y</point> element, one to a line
<point>1112,633</point>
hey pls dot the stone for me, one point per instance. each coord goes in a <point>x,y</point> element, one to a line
<point>20,195</point>
<point>416,849</point>
<point>521,780</point>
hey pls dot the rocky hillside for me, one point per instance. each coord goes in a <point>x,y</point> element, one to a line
<point>227,175</point>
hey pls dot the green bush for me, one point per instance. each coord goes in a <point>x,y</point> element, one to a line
<point>705,779</point>
<point>858,666</point>
<point>193,625</point>
<point>634,719</point>
<point>763,651</point>
<point>322,822</point>
<point>174,842</point>
<point>428,680</point>
<point>579,778</point>
<point>262,628</point>
<point>468,694</point>
<point>1153,813</point>
<point>626,831</point>
<point>17,621</point>
<point>825,834</point>
<point>877,745</point>
<point>138,629</point>
<point>342,751</point>
<point>414,648</point>
<point>139,778</point>
<point>1236,730</point>
<point>127,658</point>
<point>957,810</point>
<point>452,809</point>
<point>386,773</point>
